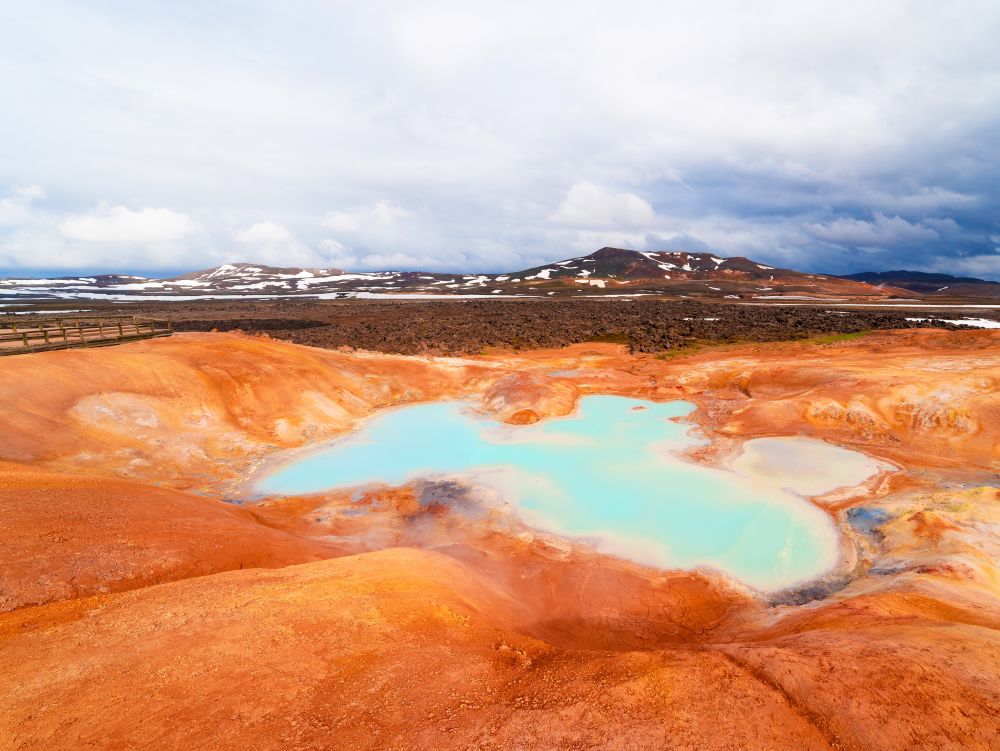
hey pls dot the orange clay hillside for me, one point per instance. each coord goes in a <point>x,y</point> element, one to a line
<point>177,408</point>
<point>139,609</point>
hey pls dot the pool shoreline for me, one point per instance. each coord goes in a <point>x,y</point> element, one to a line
<point>838,558</point>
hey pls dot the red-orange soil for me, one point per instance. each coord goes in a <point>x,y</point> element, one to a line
<point>138,610</point>
<point>68,536</point>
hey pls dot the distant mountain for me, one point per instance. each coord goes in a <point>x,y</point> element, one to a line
<point>606,271</point>
<point>692,274</point>
<point>939,285</point>
<point>634,265</point>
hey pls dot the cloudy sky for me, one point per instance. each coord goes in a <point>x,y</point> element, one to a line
<point>156,137</point>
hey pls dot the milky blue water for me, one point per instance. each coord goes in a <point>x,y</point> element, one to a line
<point>607,473</point>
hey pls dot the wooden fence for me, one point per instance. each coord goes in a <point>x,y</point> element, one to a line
<point>21,334</point>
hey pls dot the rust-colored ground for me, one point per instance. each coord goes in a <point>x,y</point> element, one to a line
<point>137,610</point>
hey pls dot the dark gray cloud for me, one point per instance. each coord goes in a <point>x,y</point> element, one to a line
<point>829,137</point>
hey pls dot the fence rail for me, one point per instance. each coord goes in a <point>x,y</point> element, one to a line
<point>23,334</point>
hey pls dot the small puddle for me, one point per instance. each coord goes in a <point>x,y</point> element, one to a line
<point>610,473</point>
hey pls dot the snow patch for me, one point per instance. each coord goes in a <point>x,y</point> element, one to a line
<point>543,274</point>
<point>45,282</point>
<point>977,323</point>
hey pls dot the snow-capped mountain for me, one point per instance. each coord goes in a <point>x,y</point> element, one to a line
<point>630,265</point>
<point>606,271</point>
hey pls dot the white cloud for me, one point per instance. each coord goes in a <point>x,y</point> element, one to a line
<point>441,41</point>
<point>339,255</point>
<point>881,231</point>
<point>29,192</point>
<point>274,244</point>
<point>986,265</point>
<point>394,261</point>
<point>590,205</point>
<point>925,199</point>
<point>265,233</point>
<point>34,235</point>
<point>16,209</point>
<point>382,235</point>
<point>372,219</point>
<point>123,226</point>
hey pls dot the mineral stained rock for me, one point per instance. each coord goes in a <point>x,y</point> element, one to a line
<point>141,610</point>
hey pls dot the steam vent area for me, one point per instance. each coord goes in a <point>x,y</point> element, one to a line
<point>216,540</point>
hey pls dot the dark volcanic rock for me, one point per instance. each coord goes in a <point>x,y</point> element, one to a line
<point>470,326</point>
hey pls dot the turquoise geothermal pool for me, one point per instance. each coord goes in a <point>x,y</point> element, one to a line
<point>609,473</point>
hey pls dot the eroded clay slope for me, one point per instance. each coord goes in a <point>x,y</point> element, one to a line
<point>191,410</point>
<point>68,536</point>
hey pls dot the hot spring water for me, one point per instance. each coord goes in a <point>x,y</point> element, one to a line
<point>609,473</point>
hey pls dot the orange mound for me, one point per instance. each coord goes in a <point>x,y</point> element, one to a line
<point>410,649</point>
<point>921,397</point>
<point>195,408</point>
<point>68,536</point>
